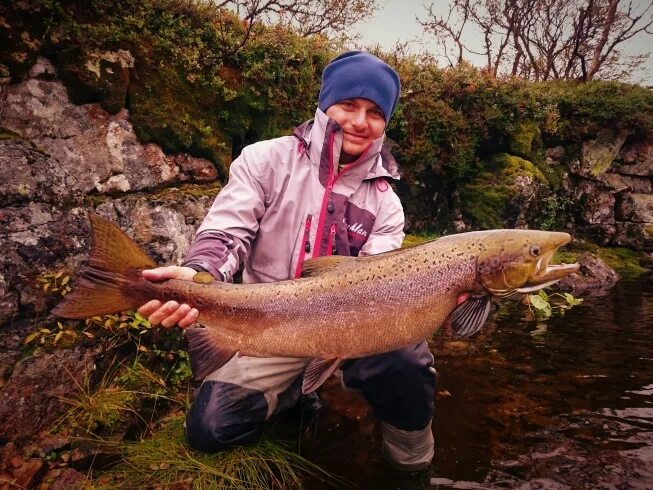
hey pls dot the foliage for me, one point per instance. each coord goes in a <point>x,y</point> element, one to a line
<point>55,282</point>
<point>166,460</point>
<point>543,305</point>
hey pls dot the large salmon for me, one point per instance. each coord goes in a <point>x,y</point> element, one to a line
<point>345,307</point>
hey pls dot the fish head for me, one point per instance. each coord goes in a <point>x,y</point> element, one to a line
<point>518,261</point>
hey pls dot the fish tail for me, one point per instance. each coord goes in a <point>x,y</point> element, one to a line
<point>107,283</point>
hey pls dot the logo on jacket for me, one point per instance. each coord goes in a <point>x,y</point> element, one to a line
<point>358,229</point>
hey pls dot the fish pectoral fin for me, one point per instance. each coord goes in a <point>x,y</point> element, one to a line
<point>320,265</point>
<point>206,355</point>
<point>317,372</point>
<point>470,316</point>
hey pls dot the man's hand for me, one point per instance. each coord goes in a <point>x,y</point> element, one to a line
<point>170,313</point>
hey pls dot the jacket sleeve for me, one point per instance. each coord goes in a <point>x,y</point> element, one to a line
<point>388,229</point>
<point>224,238</point>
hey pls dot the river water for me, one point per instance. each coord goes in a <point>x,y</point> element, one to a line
<point>555,404</point>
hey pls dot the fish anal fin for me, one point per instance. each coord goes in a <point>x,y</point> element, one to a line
<point>320,265</point>
<point>468,318</point>
<point>317,372</point>
<point>206,354</point>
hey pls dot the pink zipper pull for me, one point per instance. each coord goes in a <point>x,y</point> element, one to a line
<point>332,240</point>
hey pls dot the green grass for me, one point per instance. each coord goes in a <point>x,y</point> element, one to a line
<point>416,239</point>
<point>165,460</point>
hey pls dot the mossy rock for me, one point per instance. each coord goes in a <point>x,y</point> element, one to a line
<point>627,262</point>
<point>486,199</point>
<point>523,137</point>
<point>181,117</point>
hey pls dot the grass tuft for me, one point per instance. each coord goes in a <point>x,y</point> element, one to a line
<point>165,460</point>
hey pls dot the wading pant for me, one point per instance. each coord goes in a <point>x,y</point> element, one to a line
<point>231,406</point>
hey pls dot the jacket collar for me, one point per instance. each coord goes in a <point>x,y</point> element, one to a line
<point>321,138</point>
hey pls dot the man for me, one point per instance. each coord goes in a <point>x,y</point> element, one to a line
<point>322,191</point>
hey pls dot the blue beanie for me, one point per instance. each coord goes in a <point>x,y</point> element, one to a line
<point>358,74</point>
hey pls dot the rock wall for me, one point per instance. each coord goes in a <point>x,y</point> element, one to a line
<point>611,189</point>
<point>57,162</point>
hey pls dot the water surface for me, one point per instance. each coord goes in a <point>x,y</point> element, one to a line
<point>562,403</point>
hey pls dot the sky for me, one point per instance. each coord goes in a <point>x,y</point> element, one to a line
<point>396,21</point>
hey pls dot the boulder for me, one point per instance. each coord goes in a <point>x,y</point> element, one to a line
<point>84,147</point>
<point>594,274</point>
<point>29,174</point>
<point>594,203</point>
<point>32,396</point>
<point>620,183</point>
<point>634,235</point>
<point>637,208</point>
<point>598,154</point>
<point>636,159</point>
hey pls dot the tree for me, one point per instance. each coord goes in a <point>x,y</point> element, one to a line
<point>545,39</point>
<point>307,17</point>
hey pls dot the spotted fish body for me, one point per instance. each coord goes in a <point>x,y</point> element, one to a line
<point>346,307</point>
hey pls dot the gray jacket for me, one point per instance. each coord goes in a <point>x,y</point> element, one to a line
<point>285,202</point>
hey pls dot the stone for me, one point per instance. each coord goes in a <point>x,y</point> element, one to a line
<point>637,159</point>
<point>83,457</point>
<point>68,479</point>
<point>597,155</point>
<point>634,235</point>
<point>32,396</point>
<point>628,183</point>
<point>52,442</point>
<point>82,148</point>
<point>28,174</point>
<point>594,203</point>
<point>43,68</point>
<point>600,233</point>
<point>594,274</point>
<point>555,153</point>
<point>29,473</point>
<point>636,208</point>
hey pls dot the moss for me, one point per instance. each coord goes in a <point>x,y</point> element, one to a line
<point>7,134</point>
<point>416,239</point>
<point>485,200</point>
<point>523,137</point>
<point>649,230</point>
<point>627,262</point>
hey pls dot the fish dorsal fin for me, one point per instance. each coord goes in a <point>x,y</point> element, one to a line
<point>206,355</point>
<point>320,265</point>
<point>470,316</point>
<point>317,372</point>
<point>113,250</point>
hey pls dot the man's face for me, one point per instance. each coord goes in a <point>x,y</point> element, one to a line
<point>361,120</point>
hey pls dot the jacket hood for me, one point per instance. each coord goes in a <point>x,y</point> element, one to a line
<point>321,137</point>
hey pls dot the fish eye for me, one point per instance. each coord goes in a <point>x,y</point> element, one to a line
<point>535,250</point>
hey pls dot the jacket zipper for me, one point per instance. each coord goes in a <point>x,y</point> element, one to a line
<point>331,243</point>
<point>326,200</point>
<point>305,247</point>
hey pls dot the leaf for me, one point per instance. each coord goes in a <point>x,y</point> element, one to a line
<point>31,337</point>
<point>542,294</point>
<point>571,300</point>
<point>538,302</point>
<point>58,336</point>
<point>59,274</point>
<point>65,280</point>
<point>89,335</point>
<point>142,348</point>
<point>45,330</point>
<point>70,333</point>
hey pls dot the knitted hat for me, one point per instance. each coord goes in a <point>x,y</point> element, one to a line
<point>358,74</point>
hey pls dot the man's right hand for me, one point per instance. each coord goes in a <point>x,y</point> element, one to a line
<point>171,313</point>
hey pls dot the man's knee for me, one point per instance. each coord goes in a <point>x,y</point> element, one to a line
<point>224,415</point>
<point>399,385</point>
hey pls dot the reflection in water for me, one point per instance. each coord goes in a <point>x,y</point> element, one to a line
<point>566,403</point>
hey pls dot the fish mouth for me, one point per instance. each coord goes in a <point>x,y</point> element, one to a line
<point>546,274</point>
